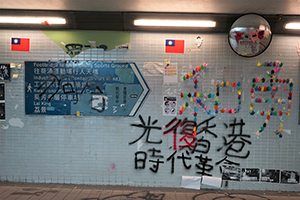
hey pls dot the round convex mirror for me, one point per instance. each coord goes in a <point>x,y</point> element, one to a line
<point>250,35</point>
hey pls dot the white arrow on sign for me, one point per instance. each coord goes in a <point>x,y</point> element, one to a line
<point>143,96</point>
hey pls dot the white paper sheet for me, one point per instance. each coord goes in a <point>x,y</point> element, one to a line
<point>153,68</point>
<point>287,131</point>
<point>191,182</point>
<point>170,73</point>
<point>169,106</point>
<point>211,181</point>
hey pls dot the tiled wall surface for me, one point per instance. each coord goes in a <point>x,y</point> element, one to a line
<point>96,150</point>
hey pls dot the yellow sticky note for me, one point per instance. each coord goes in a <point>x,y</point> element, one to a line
<point>12,65</point>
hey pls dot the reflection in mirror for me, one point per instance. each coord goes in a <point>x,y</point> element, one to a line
<point>250,35</point>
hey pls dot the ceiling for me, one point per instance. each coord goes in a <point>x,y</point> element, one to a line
<point>119,14</point>
<point>286,7</point>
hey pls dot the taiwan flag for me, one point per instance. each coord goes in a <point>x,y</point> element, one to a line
<point>174,46</point>
<point>20,44</point>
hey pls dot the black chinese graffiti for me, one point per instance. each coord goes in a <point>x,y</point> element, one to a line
<point>190,142</point>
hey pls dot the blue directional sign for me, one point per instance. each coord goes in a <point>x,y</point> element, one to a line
<point>85,88</point>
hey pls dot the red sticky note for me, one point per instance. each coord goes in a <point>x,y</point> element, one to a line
<point>174,46</point>
<point>20,44</point>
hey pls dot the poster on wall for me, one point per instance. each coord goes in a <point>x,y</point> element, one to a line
<point>270,175</point>
<point>289,177</point>
<point>250,174</point>
<point>230,173</point>
<point>5,72</point>
<point>84,88</point>
<point>74,42</point>
<point>170,106</point>
<point>170,73</point>
<point>2,111</point>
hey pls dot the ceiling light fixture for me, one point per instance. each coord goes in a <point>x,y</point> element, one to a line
<point>32,20</point>
<point>292,25</point>
<point>177,23</point>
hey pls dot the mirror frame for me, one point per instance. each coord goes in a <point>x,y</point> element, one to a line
<point>260,52</point>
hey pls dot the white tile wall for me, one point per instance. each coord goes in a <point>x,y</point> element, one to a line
<point>95,150</point>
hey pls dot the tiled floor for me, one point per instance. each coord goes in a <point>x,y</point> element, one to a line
<point>25,191</point>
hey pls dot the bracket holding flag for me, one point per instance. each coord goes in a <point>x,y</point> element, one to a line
<point>20,44</point>
<point>174,46</point>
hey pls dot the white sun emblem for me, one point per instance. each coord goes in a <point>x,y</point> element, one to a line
<point>16,41</point>
<point>170,43</point>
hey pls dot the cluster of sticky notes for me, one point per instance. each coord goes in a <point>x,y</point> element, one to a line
<point>197,69</point>
<point>217,101</point>
<point>270,64</point>
<point>17,66</point>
